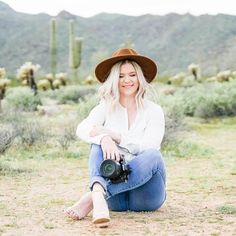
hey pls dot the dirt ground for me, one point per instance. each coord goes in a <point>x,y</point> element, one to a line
<point>32,203</point>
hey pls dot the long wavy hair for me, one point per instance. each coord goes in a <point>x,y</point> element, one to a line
<point>109,91</point>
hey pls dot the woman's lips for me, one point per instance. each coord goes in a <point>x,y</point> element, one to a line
<point>127,86</point>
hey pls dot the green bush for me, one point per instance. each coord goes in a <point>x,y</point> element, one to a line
<point>221,101</point>
<point>22,99</point>
<point>205,100</point>
<point>86,105</point>
<point>74,93</point>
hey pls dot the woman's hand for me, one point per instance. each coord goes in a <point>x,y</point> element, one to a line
<point>109,148</point>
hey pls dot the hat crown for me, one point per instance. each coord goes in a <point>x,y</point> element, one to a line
<point>124,51</point>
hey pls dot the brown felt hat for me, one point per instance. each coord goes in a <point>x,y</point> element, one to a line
<point>148,66</point>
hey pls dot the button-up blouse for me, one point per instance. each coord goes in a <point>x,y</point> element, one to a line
<point>146,132</point>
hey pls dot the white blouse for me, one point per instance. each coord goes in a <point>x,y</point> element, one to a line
<point>146,132</point>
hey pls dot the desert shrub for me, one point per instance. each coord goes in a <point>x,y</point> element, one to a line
<point>207,100</point>
<point>30,133</point>
<point>68,136</point>
<point>174,114</point>
<point>189,98</point>
<point>6,139</point>
<point>186,149</point>
<point>221,101</point>
<point>10,166</point>
<point>26,130</point>
<point>86,105</point>
<point>73,93</point>
<point>22,99</point>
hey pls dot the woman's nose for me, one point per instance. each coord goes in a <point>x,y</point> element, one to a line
<point>126,78</point>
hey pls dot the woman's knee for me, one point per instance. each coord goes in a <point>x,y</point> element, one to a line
<point>95,158</point>
<point>152,158</point>
<point>95,151</point>
<point>152,154</point>
<point>152,205</point>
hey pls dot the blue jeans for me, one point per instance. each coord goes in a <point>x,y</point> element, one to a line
<point>145,188</point>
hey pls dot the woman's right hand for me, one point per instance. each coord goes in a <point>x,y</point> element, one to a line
<point>109,148</point>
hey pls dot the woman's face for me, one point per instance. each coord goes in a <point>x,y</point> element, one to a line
<point>128,82</point>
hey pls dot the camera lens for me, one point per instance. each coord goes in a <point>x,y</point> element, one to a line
<point>110,169</point>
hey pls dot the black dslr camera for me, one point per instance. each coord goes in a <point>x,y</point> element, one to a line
<point>116,171</point>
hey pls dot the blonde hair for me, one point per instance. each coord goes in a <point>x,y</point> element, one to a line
<point>109,91</point>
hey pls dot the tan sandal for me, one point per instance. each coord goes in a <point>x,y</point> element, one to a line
<point>101,219</point>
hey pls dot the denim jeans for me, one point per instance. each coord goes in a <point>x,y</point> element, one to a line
<point>145,188</point>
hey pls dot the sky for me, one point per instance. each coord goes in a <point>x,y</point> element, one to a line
<point>87,8</point>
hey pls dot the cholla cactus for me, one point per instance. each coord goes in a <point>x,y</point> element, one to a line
<point>3,85</point>
<point>168,91</point>
<point>50,78</point>
<point>194,70</point>
<point>57,84</point>
<point>26,72</point>
<point>223,76</point>
<point>44,84</point>
<point>62,78</point>
<point>177,79</point>
<point>2,73</point>
<point>89,80</point>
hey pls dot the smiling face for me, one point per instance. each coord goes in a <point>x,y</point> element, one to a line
<point>128,80</point>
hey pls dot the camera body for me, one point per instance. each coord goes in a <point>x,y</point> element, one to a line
<point>115,171</point>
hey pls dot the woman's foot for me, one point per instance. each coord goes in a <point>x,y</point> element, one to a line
<point>81,208</point>
<point>101,216</point>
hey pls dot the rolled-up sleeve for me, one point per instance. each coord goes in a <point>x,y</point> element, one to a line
<point>152,136</point>
<point>95,117</point>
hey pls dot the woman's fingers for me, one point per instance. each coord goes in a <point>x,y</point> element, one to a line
<point>109,148</point>
<point>117,156</point>
<point>111,154</point>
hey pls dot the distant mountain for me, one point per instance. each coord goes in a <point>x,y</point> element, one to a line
<point>173,40</point>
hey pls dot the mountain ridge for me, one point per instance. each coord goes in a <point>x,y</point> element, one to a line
<point>173,40</point>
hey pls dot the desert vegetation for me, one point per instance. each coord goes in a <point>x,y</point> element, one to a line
<point>43,166</point>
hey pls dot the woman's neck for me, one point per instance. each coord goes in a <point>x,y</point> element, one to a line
<point>128,102</point>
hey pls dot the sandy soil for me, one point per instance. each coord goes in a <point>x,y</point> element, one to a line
<point>32,203</point>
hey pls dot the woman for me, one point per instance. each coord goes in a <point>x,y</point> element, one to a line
<point>123,123</point>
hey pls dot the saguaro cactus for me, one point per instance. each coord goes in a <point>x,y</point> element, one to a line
<point>53,47</point>
<point>75,47</point>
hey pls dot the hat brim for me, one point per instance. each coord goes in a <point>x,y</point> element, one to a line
<point>147,65</point>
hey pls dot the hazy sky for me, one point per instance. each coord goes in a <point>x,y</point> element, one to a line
<point>88,8</point>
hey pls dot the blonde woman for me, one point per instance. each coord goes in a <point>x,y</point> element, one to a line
<point>128,126</point>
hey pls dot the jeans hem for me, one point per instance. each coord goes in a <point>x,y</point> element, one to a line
<point>99,180</point>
